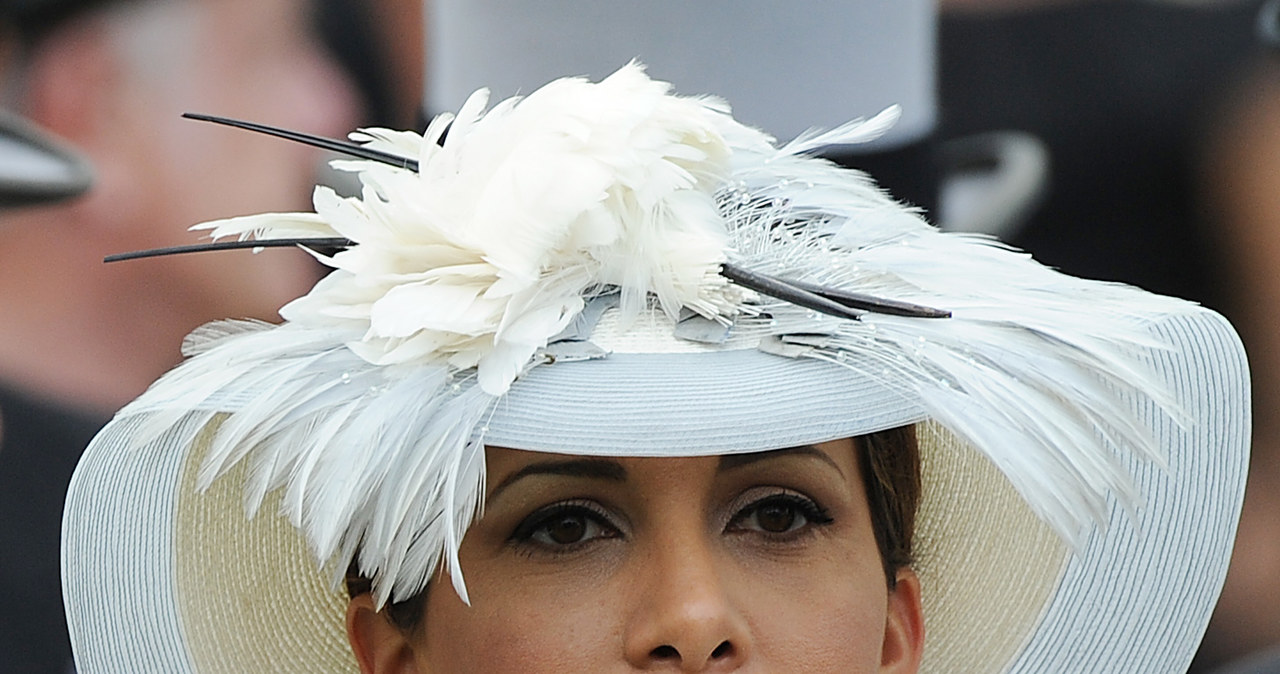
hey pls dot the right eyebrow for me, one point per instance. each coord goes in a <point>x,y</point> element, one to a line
<point>595,469</point>
<point>731,461</point>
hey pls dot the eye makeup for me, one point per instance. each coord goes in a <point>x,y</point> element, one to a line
<point>776,514</point>
<point>564,527</point>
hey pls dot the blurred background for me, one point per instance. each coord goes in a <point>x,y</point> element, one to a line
<point>1132,140</point>
<point>1161,125</point>
<point>78,338</point>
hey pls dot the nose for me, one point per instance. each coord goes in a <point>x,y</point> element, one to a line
<point>686,619</point>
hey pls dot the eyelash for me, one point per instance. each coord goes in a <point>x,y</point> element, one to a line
<point>594,518</point>
<point>539,522</point>
<point>804,508</point>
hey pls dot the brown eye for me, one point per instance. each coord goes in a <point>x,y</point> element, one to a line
<point>779,514</point>
<point>566,529</point>
<point>776,517</point>
<point>563,526</point>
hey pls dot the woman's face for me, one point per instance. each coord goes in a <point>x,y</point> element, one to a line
<point>760,562</point>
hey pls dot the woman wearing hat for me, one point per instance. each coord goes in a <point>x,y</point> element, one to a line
<point>605,380</point>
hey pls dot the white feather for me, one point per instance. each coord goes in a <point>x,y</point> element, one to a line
<point>854,132</point>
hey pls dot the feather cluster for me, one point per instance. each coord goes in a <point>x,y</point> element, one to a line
<point>488,251</point>
<point>367,405</point>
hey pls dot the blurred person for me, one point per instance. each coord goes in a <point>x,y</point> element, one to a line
<point>79,338</point>
<point>1126,95</point>
<point>36,169</point>
<point>1242,191</point>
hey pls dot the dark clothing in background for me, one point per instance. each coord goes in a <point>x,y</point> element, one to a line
<point>40,443</point>
<point>1124,93</point>
<point>1121,92</point>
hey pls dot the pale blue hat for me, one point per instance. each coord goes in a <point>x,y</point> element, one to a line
<point>554,276</point>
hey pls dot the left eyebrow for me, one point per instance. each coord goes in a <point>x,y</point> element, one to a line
<point>732,461</point>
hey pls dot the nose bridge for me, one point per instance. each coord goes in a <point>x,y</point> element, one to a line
<point>686,618</point>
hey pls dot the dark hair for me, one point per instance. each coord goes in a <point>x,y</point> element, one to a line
<point>406,615</point>
<point>890,465</point>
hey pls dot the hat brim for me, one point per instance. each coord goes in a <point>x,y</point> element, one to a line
<point>160,578</point>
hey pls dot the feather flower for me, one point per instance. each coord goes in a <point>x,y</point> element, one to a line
<point>487,252</point>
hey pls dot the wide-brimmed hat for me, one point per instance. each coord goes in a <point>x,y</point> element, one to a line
<point>610,270</point>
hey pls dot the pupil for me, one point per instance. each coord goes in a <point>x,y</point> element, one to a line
<point>567,529</point>
<point>776,517</point>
